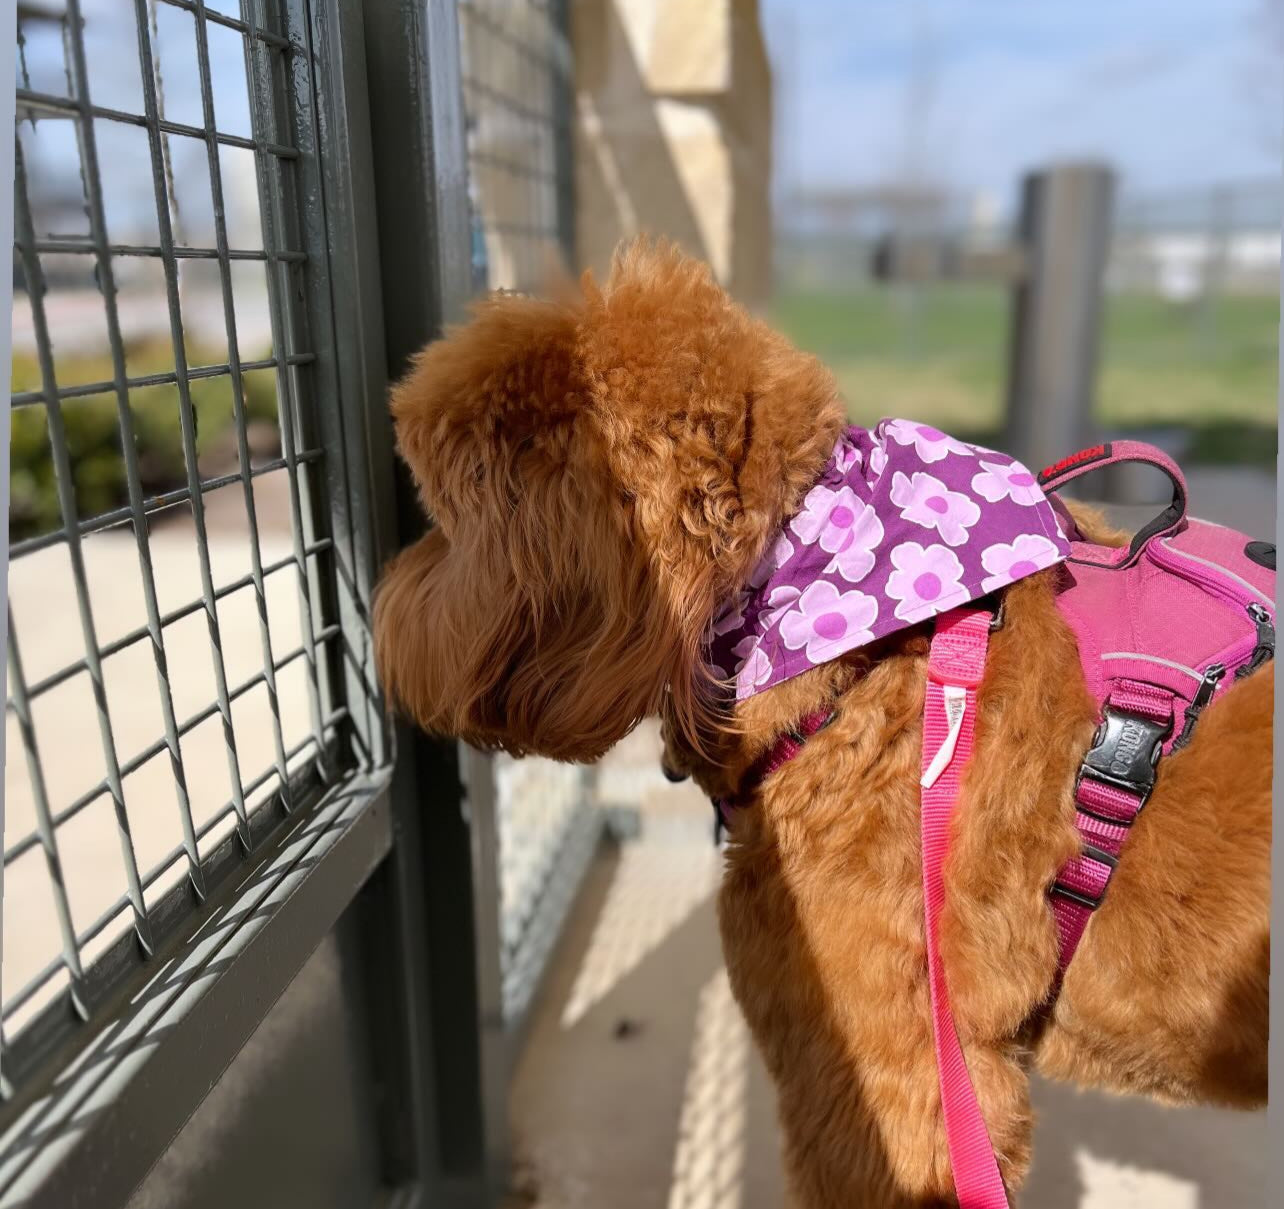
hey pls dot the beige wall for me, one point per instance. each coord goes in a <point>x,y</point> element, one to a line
<point>673,132</point>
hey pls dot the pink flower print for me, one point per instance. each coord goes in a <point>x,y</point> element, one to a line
<point>931,444</point>
<point>813,519</point>
<point>925,581</point>
<point>778,553</point>
<point>925,500</point>
<point>846,455</point>
<point>733,615</point>
<point>781,600</point>
<point>1008,562</point>
<point>877,460</point>
<point>854,534</point>
<point>841,524</point>
<point>824,617</point>
<point>755,668</point>
<point>996,481</point>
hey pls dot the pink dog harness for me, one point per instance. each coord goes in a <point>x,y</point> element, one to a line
<point>1164,625</point>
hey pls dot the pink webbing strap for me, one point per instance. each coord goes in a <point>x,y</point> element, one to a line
<point>1103,813</point>
<point>1112,453</point>
<point>954,670</point>
<point>784,749</point>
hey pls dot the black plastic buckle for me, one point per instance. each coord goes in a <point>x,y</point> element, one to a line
<point>1091,901</point>
<point>1124,753</point>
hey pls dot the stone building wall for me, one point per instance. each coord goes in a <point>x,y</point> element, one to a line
<point>673,132</point>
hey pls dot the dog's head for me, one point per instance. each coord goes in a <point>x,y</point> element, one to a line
<point>603,471</point>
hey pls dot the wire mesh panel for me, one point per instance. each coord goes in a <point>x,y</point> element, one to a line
<point>517,102</point>
<point>516,75</point>
<point>187,661</point>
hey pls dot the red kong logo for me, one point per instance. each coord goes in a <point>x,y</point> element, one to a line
<point>1096,453</point>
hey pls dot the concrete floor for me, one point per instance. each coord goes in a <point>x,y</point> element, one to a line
<point>639,1087</point>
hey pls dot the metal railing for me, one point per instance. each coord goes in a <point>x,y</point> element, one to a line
<point>292,722</point>
<point>213,627</point>
<point>517,89</point>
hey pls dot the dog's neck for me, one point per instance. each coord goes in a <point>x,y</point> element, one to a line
<point>753,725</point>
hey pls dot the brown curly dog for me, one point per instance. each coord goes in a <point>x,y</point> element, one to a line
<point>604,472</point>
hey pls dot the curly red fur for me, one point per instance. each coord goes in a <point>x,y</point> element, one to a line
<point>601,473</point>
<point>604,471</point>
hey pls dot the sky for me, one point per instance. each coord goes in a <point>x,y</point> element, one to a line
<point>1175,93</point>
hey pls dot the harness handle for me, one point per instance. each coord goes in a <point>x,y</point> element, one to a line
<point>1114,453</point>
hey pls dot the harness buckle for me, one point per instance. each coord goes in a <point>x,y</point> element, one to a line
<point>1125,751</point>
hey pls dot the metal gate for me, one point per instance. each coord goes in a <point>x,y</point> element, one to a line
<point>237,823</point>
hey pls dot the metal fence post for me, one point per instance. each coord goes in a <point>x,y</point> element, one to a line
<point>1056,319</point>
<point>420,173</point>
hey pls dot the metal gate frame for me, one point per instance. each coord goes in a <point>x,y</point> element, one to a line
<point>383,222</point>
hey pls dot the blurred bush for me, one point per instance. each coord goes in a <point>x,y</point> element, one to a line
<point>93,434</point>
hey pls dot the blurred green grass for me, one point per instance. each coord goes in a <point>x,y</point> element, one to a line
<point>92,430</point>
<point>940,355</point>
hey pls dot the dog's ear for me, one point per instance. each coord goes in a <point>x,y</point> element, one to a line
<point>528,619</point>
<point>494,398</point>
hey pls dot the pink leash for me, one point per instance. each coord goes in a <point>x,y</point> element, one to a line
<point>955,667</point>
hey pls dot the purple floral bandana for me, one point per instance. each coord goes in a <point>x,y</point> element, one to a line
<point>904,524</point>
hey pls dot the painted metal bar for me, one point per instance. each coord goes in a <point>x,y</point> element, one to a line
<point>129,454</point>
<point>46,832</point>
<point>108,973</point>
<point>66,488</point>
<point>75,245</point>
<point>135,762</point>
<point>230,22</point>
<point>187,417</point>
<point>52,106</point>
<point>155,1064</point>
<point>240,422</point>
<point>346,316</point>
<point>432,1050</point>
<point>157,503</point>
<point>39,1053</point>
<point>137,635</point>
<point>26,398</point>
<point>286,335</point>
